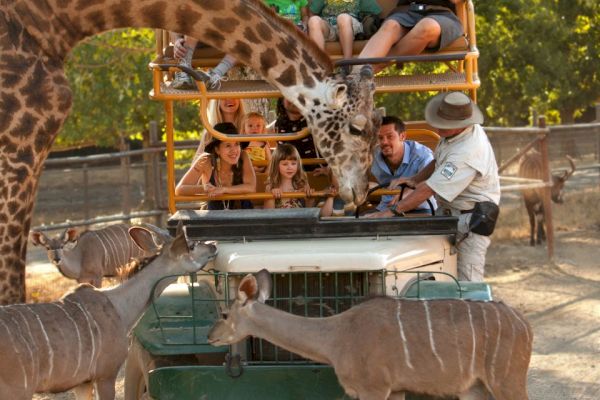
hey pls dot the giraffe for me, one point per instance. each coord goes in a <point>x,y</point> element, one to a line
<point>37,35</point>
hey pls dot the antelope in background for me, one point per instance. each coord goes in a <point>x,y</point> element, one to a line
<point>385,347</point>
<point>81,340</point>
<point>531,167</point>
<point>93,255</point>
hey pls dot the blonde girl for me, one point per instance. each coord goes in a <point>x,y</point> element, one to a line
<point>257,150</point>
<point>287,175</point>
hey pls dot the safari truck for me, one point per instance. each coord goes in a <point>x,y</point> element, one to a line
<point>320,266</point>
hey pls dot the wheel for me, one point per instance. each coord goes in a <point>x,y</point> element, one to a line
<point>139,362</point>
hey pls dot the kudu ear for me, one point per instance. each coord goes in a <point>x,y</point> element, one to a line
<point>263,278</point>
<point>142,237</point>
<point>70,235</point>
<point>248,289</point>
<point>38,238</point>
<point>337,96</point>
<point>179,245</point>
<point>160,235</point>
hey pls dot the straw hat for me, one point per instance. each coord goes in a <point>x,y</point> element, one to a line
<point>452,110</point>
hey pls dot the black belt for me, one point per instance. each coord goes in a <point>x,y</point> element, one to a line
<point>467,211</point>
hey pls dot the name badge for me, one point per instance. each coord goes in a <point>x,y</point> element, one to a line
<point>448,170</point>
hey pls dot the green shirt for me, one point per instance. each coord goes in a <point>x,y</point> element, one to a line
<point>290,9</point>
<point>356,8</point>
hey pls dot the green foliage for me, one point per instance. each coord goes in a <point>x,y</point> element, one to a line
<point>110,80</point>
<point>538,54</point>
<point>535,54</point>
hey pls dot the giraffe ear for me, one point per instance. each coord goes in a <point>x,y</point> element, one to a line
<point>337,96</point>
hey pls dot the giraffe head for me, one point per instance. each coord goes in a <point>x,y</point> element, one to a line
<point>344,125</point>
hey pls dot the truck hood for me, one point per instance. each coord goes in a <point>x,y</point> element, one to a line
<point>332,254</point>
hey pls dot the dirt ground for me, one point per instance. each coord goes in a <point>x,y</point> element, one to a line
<point>560,297</point>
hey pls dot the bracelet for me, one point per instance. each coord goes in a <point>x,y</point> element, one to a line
<point>396,212</point>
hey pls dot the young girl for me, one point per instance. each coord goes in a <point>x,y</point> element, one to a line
<point>286,175</point>
<point>257,150</point>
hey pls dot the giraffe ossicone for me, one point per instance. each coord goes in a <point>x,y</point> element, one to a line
<point>36,36</point>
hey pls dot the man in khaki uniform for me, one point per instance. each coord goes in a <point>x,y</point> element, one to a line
<point>463,174</point>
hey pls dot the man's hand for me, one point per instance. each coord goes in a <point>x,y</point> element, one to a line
<point>381,214</point>
<point>409,181</point>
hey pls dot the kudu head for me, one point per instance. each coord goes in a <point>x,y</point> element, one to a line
<point>558,183</point>
<point>233,326</point>
<point>55,245</point>
<point>178,257</point>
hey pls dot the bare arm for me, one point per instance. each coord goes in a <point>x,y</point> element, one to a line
<point>410,202</point>
<point>193,180</point>
<point>248,179</point>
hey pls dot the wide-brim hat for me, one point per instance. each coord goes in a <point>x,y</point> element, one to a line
<point>210,146</point>
<point>452,110</point>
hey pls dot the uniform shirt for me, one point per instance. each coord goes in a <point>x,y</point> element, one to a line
<point>465,170</point>
<point>416,157</point>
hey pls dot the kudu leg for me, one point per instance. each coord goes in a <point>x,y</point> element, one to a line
<point>84,391</point>
<point>105,389</point>
<point>476,392</point>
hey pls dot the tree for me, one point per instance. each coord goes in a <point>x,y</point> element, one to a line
<point>540,54</point>
<point>110,80</point>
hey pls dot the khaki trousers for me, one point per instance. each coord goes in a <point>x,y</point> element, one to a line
<point>471,249</point>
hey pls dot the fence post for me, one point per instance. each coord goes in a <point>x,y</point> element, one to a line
<point>125,172</point>
<point>86,196</point>
<point>547,200</point>
<point>155,170</point>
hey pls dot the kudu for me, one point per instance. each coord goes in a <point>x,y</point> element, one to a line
<point>92,255</point>
<point>385,347</point>
<point>531,167</point>
<point>81,340</point>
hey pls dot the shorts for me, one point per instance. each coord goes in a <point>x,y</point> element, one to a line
<point>452,29</point>
<point>357,28</point>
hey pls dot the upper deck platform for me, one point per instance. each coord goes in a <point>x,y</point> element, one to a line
<point>460,57</point>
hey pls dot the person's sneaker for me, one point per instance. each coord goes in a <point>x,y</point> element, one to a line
<point>214,80</point>
<point>182,81</point>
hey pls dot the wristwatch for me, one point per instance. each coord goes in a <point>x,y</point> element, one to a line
<point>396,212</point>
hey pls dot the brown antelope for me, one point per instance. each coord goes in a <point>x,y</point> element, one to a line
<point>531,167</point>
<point>94,254</point>
<point>81,340</point>
<point>384,347</point>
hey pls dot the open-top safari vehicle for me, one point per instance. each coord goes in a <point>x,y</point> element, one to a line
<point>320,266</point>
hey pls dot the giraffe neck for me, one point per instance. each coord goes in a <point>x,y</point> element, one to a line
<point>246,29</point>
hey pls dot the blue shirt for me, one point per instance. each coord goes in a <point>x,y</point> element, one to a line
<point>416,157</point>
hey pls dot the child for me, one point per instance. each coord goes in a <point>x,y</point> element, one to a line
<point>294,10</point>
<point>286,175</point>
<point>339,20</point>
<point>258,151</point>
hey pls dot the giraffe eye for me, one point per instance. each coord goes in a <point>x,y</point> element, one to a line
<point>355,131</point>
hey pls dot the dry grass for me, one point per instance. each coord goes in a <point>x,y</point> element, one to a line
<point>50,286</point>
